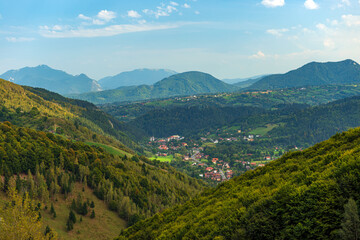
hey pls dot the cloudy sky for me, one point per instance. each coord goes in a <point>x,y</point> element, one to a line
<point>226,38</point>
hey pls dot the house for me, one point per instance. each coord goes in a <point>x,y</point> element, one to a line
<point>152,139</point>
<point>208,175</point>
<point>184,144</point>
<point>253,164</point>
<point>209,169</point>
<point>174,137</point>
<point>163,147</point>
<point>186,158</point>
<point>214,160</point>
<point>268,158</point>
<point>261,165</point>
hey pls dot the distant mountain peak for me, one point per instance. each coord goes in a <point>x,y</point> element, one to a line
<point>313,74</point>
<point>43,76</point>
<point>143,76</point>
<point>181,84</point>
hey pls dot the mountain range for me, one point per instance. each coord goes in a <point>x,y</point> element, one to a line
<point>312,74</point>
<point>135,77</point>
<point>142,84</point>
<point>53,80</point>
<point>181,84</point>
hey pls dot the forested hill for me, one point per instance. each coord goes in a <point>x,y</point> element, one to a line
<point>191,120</point>
<point>47,111</point>
<point>299,196</point>
<point>313,74</point>
<point>312,125</point>
<point>134,187</point>
<point>181,84</point>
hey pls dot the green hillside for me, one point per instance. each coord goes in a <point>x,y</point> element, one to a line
<point>188,83</point>
<point>47,165</point>
<point>48,111</point>
<point>312,74</point>
<point>299,196</point>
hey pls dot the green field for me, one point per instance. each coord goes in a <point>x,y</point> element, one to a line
<point>263,130</point>
<point>162,159</point>
<point>110,149</point>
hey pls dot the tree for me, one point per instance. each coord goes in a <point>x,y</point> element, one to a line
<point>52,210</point>
<point>92,214</point>
<point>19,220</point>
<point>72,216</point>
<point>69,225</point>
<point>351,224</point>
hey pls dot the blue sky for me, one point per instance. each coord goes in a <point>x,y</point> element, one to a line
<point>226,38</point>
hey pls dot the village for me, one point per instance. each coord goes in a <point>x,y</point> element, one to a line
<point>188,154</point>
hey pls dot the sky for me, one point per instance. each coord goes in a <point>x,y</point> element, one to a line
<point>226,38</point>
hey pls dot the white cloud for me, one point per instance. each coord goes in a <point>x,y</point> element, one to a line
<point>351,20</point>
<point>174,3</point>
<point>83,17</point>
<point>273,3</point>
<point>106,15</point>
<point>277,32</point>
<point>259,54</point>
<point>108,31</point>
<point>103,17</point>
<point>186,5</point>
<point>133,14</point>
<point>321,26</point>
<point>197,12</point>
<point>161,11</point>
<point>19,39</point>
<point>343,3</point>
<point>310,4</point>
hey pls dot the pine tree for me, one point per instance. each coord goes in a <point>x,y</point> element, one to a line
<point>351,223</point>
<point>92,204</point>
<point>92,214</point>
<point>69,225</point>
<point>72,216</point>
<point>52,210</point>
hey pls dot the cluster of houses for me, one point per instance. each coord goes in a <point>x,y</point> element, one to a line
<point>249,138</point>
<point>165,144</point>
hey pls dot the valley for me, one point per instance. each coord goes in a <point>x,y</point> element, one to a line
<point>180,120</point>
<point>124,163</point>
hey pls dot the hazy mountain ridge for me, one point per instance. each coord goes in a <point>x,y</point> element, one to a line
<point>311,74</point>
<point>135,77</point>
<point>51,79</point>
<point>181,84</point>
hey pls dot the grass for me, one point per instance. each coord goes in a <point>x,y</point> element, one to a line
<point>209,144</point>
<point>105,225</point>
<point>163,159</point>
<point>264,130</point>
<point>110,149</point>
